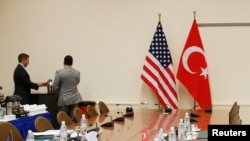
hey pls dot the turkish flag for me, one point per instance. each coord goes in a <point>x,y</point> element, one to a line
<point>192,71</point>
<point>144,134</point>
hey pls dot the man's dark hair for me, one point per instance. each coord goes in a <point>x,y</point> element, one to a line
<point>22,56</point>
<point>68,60</point>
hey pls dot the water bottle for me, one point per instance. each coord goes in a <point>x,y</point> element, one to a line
<point>159,136</point>
<point>181,131</point>
<point>172,134</point>
<point>1,112</point>
<point>30,136</point>
<point>63,132</point>
<point>83,127</point>
<point>187,122</point>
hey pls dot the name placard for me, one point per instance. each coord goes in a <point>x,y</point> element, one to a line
<point>221,132</point>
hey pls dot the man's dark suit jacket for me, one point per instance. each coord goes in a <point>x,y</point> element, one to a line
<point>23,84</point>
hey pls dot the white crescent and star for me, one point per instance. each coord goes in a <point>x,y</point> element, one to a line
<point>144,135</point>
<point>185,57</point>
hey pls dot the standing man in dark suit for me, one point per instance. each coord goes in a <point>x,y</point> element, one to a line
<point>23,84</point>
<point>65,85</point>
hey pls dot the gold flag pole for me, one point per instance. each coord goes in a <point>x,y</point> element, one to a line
<point>192,113</point>
<point>159,105</point>
<point>159,15</point>
<point>194,107</point>
<point>194,12</point>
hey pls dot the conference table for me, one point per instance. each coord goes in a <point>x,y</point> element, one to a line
<point>131,128</point>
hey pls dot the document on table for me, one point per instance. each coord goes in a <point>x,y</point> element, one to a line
<point>50,132</point>
<point>203,135</point>
<point>91,136</point>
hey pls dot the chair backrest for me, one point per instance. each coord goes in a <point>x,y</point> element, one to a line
<point>233,107</point>
<point>235,121</point>
<point>234,113</point>
<point>103,107</point>
<point>91,111</point>
<point>6,129</point>
<point>63,116</point>
<point>77,113</point>
<point>234,116</point>
<point>42,124</point>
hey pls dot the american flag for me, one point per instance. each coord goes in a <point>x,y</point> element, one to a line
<point>158,70</point>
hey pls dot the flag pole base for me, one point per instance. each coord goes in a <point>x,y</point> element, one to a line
<point>192,114</point>
<point>208,110</point>
<point>168,110</point>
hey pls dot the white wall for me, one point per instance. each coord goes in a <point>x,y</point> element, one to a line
<point>109,40</point>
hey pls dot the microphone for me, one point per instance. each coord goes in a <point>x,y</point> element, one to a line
<point>128,109</point>
<point>129,114</point>
<point>108,124</point>
<point>120,113</point>
<point>193,120</point>
<point>119,118</point>
<point>192,114</point>
<point>96,129</point>
<point>207,109</point>
<point>168,109</point>
<point>109,116</point>
<point>144,103</point>
<point>74,135</point>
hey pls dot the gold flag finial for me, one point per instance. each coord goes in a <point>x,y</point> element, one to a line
<point>159,14</point>
<point>194,15</point>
